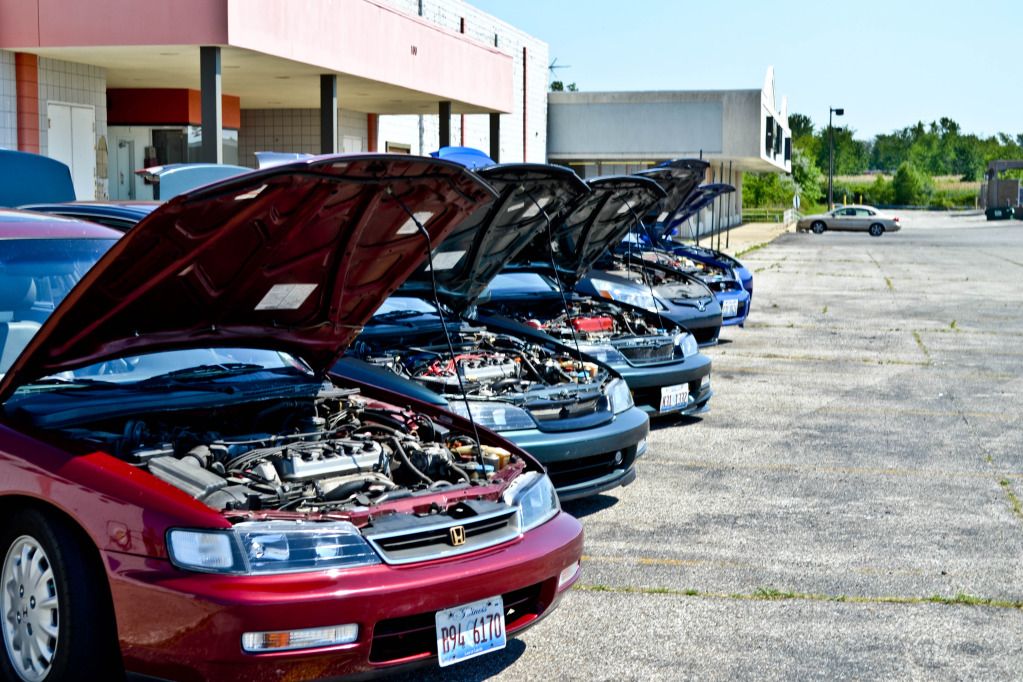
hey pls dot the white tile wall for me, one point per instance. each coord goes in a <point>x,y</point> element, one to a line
<point>74,83</point>
<point>486,29</point>
<point>8,102</point>
<point>291,130</point>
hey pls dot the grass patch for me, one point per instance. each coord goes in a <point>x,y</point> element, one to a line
<point>824,311</point>
<point>1017,507</point>
<point>750,249</point>
<point>920,344</point>
<point>771,594</point>
<point>952,325</point>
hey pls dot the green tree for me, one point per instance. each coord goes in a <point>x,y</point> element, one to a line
<point>770,190</point>
<point>852,156</point>
<point>910,187</point>
<point>800,126</point>
<point>808,177</point>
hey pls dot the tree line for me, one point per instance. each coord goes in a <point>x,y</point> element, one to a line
<point>914,156</point>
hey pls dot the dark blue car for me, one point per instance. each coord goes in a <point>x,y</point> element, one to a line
<point>731,282</point>
<point>548,287</point>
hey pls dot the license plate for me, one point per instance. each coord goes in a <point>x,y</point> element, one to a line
<point>470,630</point>
<point>673,397</point>
<point>730,308</point>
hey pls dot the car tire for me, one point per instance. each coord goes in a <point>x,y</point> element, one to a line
<point>876,230</point>
<point>67,619</point>
<point>818,227</point>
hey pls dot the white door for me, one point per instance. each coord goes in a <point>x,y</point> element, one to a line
<point>351,144</point>
<point>58,138</point>
<point>71,139</point>
<point>121,170</point>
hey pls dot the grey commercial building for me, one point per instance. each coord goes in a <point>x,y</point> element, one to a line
<point>607,133</point>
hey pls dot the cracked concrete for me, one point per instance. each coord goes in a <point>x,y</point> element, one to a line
<point>852,459</point>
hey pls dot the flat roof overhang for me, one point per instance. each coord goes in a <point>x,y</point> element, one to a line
<point>271,55</point>
<point>739,163</point>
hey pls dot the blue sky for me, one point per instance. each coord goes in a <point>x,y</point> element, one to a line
<point>889,64</point>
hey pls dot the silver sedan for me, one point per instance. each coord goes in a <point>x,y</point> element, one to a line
<point>851,219</point>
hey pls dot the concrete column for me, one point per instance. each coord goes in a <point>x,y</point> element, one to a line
<point>372,131</point>
<point>495,137</point>
<point>328,113</point>
<point>210,96</point>
<point>445,123</point>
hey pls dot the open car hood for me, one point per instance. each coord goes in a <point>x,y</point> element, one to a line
<point>475,251</point>
<point>702,196</point>
<point>678,178</point>
<point>593,223</point>
<point>293,258</point>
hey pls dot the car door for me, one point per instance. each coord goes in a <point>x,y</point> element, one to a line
<point>862,219</point>
<point>844,219</point>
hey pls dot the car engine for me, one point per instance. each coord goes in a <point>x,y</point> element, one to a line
<point>589,321</point>
<point>674,277</point>
<point>332,452</point>
<point>486,365</point>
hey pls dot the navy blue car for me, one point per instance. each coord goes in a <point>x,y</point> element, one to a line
<point>548,288</point>
<point>731,282</point>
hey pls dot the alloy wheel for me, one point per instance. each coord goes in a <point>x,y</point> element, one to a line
<point>30,606</point>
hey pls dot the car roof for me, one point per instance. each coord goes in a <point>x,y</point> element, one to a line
<point>16,224</point>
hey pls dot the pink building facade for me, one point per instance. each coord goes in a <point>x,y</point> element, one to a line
<point>109,86</point>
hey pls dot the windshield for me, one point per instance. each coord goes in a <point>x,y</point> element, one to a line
<point>521,282</point>
<point>405,304</point>
<point>193,363</point>
<point>35,276</point>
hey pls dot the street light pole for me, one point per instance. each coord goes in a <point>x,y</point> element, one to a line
<point>831,156</point>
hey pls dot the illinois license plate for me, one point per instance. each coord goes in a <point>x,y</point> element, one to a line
<point>674,397</point>
<point>470,630</point>
<point>730,308</point>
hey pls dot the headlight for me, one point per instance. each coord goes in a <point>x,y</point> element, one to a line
<point>687,344</point>
<point>494,416</point>
<point>535,496</point>
<point>620,395</point>
<point>261,547</point>
<point>614,291</point>
<point>602,353</point>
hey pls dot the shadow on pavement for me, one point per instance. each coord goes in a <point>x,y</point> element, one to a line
<point>475,670</point>
<point>667,422</point>
<point>589,505</point>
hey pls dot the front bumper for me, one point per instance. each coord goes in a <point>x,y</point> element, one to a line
<point>647,381</point>
<point>742,306</point>
<point>188,626</point>
<point>589,461</point>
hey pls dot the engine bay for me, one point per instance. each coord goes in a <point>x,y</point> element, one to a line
<point>334,451</point>
<point>675,277</point>
<point>487,365</point>
<point>594,322</point>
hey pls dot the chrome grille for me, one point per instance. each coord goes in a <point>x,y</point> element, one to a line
<point>433,538</point>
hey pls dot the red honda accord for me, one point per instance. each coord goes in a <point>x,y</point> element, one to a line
<point>185,491</point>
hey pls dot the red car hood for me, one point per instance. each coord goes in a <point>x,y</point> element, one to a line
<point>293,258</point>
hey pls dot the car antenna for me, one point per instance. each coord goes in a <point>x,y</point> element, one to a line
<point>557,277</point>
<point>443,323</point>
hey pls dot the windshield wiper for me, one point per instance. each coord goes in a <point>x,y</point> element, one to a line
<point>58,381</point>
<point>224,369</point>
<point>400,314</point>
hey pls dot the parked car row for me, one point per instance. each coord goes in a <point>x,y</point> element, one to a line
<point>321,416</point>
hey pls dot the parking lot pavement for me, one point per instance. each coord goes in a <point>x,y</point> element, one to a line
<point>852,506</point>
